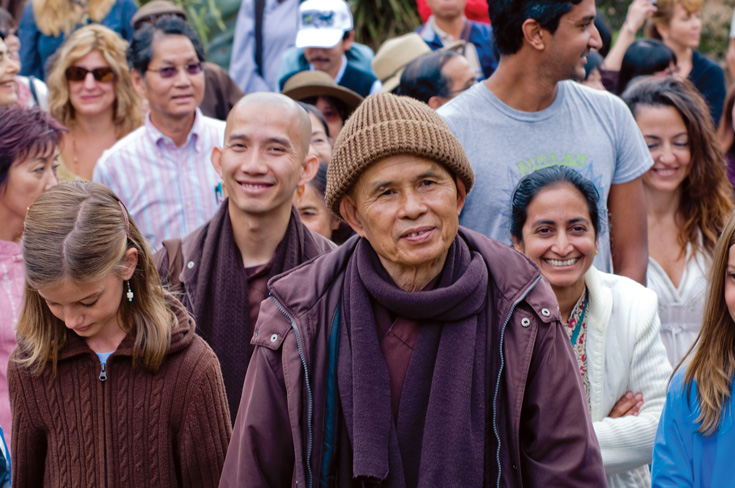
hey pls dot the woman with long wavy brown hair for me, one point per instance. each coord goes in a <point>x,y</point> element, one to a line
<point>688,201</point>
<point>91,92</point>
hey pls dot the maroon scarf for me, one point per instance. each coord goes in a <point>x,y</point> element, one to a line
<point>219,300</point>
<point>439,437</point>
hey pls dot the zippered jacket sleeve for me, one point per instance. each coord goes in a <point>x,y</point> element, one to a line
<point>28,440</point>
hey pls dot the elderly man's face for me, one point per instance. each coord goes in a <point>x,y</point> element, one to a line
<point>408,208</point>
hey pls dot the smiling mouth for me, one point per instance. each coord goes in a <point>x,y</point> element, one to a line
<point>666,171</point>
<point>8,84</point>
<point>255,186</point>
<point>560,263</point>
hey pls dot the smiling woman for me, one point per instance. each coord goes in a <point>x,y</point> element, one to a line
<point>612,321</point>
<point>688,200</point>
<point>91,92</point>
<point>8,69</point>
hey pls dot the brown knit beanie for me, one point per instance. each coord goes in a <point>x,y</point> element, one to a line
<point>387,125</point>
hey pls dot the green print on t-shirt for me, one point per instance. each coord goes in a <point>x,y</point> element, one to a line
<point>529,165</point>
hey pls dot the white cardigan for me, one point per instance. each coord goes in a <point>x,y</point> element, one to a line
<point>624,353</point>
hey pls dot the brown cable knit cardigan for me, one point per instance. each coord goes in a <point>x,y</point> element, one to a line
<point>136,428</point>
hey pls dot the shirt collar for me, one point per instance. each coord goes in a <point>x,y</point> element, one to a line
<point>158,138</point>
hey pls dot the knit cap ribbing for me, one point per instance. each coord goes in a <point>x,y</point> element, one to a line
<point>387,125</point>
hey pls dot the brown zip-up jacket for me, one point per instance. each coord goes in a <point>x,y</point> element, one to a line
<point>119,426</point>
<point>539,432</point>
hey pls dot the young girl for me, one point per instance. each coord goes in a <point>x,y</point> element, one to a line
<point>109,384</point>
<point>695,438</point>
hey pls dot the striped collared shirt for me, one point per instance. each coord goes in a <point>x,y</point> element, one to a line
<point>168,190</point>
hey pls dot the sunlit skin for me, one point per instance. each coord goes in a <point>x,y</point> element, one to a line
<point>408,208</point>
<point>92,309</point>
<point>25,182</point>
<point>571,42</point>
<point>314,212</point>
<point>559,237</point>
<point>730,282</point>
<point>447,8</point>
<point>320,143</point>
<point>668,141</point>
<point>89,96</point>
<point>8,69</point>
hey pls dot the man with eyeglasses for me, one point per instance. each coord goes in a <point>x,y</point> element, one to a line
<point>161,170</point>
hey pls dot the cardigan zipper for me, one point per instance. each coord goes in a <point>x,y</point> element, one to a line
<point>308,385</point>
<point>500,371</point>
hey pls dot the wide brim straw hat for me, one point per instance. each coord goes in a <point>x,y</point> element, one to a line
<point>307,84</point>
<point>395,54</point>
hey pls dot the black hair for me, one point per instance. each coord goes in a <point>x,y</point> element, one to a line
<point>423,78</point>
<point>341,107</point>
<point>319,182</point>
<point>644,57</point>
<point>530,186</point>
<point>594,61</point>
<point>140,51</point>
<point>603,27</point>
<point>311,109</point>
<point>507,18</point>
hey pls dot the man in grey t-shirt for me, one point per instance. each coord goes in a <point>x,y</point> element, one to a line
<point>526,117</point>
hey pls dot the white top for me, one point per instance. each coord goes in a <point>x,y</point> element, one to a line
<point>624,353</point>
<point>680,309</point>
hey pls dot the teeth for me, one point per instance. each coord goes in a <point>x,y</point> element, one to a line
<point>557,262</point>
<point>414,234</point>
<point>253,187</point>
<point>665,172</point>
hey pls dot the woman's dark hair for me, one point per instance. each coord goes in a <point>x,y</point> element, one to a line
<point>140,51</point>
<point>319,182</point>
<point>594,61</point>
<point>603,27</point>
<point>507,18</point>
<point>705,201</point>
<point>7,21</point>
<point>644,57</point>
<point>423,78</point>
<point>530,186</point>
<point>311,109</point>
<point>25,133</point>
<point>341,107</point>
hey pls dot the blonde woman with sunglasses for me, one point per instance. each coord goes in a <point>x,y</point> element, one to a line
<point>91,93</point>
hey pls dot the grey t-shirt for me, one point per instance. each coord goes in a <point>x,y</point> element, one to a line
<point>589,130</point>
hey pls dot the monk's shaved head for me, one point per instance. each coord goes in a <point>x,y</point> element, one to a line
<point>253,104</point>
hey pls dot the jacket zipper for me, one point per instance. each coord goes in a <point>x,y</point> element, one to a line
<point>308,385</point>
<point>103,378</point>
<point>500,372</point>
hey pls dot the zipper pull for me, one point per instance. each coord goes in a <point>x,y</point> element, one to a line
<point>103,372</point>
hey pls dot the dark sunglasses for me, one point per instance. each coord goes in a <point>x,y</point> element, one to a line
<point>77,73</point>
<point>171,71</point>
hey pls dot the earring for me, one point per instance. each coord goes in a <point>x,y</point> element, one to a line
<point>596,250</point>
<point>130,293</point>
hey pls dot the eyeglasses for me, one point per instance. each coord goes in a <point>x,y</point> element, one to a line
<point>171,71</point>
<point>103,74</point>
<point>5,33</point>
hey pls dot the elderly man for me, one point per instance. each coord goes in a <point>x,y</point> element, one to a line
<point>418,353</point>
<point>222,268</point>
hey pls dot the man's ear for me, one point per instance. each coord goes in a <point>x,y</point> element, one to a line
<point>138,81</point>
<point>130,261</point>
<point>461,195</point>
<point>348,40</point>
<point>309,168</point>
<point>348,210</point>
<point>216,158</point>
<point>534,34</point>
<point>435,102</point>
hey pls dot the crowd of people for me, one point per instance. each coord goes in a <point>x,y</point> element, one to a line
<point>498,251</point>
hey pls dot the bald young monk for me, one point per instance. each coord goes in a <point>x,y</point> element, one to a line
<point>222,268</point>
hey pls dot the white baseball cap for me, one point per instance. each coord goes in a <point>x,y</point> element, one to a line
<point>323,23</point>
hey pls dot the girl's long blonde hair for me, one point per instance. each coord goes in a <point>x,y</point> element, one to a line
<point>80,231</point>
<point>713,361</point>
<point>127,112</point>
<point>54,17</point>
